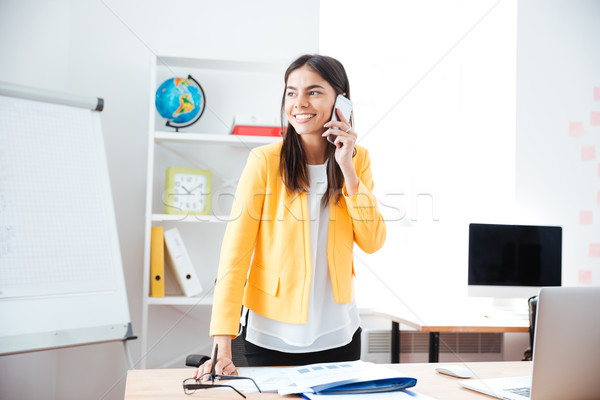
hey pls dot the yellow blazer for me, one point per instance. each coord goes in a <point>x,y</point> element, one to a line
<point>268,232</point>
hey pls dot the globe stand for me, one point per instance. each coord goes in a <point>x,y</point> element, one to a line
<point>177,127</point>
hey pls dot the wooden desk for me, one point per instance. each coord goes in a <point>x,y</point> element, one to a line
<point>166,383</point>
<point>435,323</point>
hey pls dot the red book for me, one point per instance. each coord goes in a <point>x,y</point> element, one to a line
<point>257,130</point>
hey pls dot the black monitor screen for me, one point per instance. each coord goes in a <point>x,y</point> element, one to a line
<point>515,255</point>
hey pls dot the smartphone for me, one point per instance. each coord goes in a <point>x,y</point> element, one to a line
<point>345,106</point>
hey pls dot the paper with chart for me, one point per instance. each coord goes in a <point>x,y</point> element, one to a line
<point>46,197</point>
<point>268,379</point>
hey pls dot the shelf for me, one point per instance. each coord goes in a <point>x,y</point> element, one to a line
<point>190,218</point>
<point>235,140</point>
<point>202,300</point>
<point>259,66</point>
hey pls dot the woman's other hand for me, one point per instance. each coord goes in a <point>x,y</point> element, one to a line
<point>224,365</point>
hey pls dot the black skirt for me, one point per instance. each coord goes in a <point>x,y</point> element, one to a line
<point>260,357</point>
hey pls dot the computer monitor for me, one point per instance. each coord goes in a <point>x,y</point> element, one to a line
<point>513,261</point>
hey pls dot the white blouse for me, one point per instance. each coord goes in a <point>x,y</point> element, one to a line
<point>330,324</point>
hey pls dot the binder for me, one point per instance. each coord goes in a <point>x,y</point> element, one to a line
<point>157,262</point>
<point>181,264</point>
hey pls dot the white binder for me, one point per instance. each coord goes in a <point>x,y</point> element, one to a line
<point>181,264</point>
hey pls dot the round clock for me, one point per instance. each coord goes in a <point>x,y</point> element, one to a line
<point>187,191</point>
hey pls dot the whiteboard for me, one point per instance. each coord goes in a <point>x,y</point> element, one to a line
<point>61,275</point>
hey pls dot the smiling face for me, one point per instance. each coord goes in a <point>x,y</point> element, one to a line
<point>309,101</point>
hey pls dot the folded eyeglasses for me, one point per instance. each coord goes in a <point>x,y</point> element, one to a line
<point>190,385</point>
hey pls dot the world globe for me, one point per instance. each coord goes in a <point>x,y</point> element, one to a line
<point>180,101</point>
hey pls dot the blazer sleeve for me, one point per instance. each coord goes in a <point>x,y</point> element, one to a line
<point>238,246</point>
<point>368,224</point>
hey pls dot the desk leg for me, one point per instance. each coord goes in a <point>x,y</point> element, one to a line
<point>395,343</point>
<point>434,347</point>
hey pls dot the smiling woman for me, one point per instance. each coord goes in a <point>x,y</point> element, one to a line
<point>308,101</point>
<point>312,84</point>
<point>287,257</point>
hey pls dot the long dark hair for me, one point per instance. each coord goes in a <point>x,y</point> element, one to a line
<point>292,161</point>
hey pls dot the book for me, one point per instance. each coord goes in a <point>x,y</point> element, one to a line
<point>254,125</point>
<point>256,120</point>
<point>157,262</point>
<point>338,378</point>
<point>181,264</point>
<point>245,130</point>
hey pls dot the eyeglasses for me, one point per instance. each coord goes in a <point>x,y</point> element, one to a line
<point>190,385</point>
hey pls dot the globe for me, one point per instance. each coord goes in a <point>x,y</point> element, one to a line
<point>180,101</point>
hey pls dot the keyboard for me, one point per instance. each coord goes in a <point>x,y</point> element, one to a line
<point>522,391</point>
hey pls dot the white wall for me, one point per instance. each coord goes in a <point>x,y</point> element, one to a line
<point>462,108</point>
<point>471,101</point>
<point>558,72</point>
<point>434,89</point>
<point>102,48</point>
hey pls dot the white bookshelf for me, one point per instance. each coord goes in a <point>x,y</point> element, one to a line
<point>215,219</point>
<point>203,300</point>
<point>232,87</point>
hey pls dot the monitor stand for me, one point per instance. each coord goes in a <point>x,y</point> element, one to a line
<point>508,308</point>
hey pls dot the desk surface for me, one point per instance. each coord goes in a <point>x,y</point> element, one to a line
<point>461,317</point>
<point>166,383</point>
<point>472,323</point>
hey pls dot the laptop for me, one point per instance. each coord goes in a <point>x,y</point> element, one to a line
<point>566,350</point>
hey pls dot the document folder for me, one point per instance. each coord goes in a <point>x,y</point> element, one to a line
<point>373,386</point>
<point>157,262</point>
<point>184,270</point>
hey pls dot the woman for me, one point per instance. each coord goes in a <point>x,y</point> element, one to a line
<point>299,207</point>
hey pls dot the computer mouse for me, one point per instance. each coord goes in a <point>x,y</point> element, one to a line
<point>457,371</point>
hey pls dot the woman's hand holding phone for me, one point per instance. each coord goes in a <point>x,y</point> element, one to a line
<point>344,107</point>
<point>345,140</point>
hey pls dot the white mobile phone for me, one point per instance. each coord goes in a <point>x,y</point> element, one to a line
<point>345,106</point>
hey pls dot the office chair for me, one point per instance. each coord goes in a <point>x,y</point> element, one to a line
<point>532,302</point>
<point>237,355</point>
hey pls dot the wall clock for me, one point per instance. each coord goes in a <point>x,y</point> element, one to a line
<point>187,191</point>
